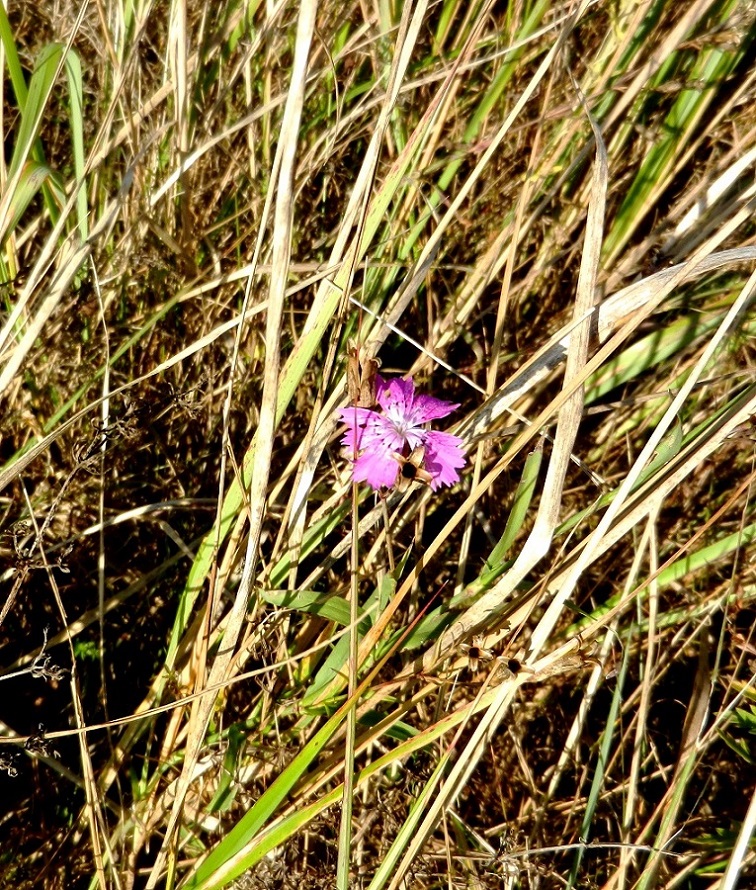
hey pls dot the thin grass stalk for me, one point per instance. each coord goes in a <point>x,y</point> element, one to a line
<point>541,632</point>
<point>477,615</point>
<point>266,427</point>
<point>649,672</point>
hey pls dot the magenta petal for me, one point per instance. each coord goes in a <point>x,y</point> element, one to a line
<point>380,435</point>
<point>378,469</point>
<point>351,415</point>
<point>397,426</point>
<point>443,457</point>
<point>381,386</point>
<point>356,420</point>
<point>351,439</point>
<point>429,408</point>
<point>445,448</point>
<point>398,396</point>
<point>413,439</point>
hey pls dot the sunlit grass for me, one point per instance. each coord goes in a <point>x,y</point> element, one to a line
<point>539,677</point>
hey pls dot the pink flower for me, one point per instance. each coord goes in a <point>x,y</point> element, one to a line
<point>384,439</point>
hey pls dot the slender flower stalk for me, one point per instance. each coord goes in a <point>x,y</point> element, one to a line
<point>384,439</point>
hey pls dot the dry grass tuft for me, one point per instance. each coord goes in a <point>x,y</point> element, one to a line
<point>225,665</point>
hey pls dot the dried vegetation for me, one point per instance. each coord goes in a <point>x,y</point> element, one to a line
<point>541,678</point>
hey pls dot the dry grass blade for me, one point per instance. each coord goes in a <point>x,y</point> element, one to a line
<point>669,808</point>
<point>534,671</point>
<point>491,603</point>
<point>738,860</point>
<point>541,633</point>
<point>570,411</point>
<point>266,429</point>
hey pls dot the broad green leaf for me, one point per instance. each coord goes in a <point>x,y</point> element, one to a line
<point>333,608</point>
<point>649,352</point>
<point>36,101</point>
